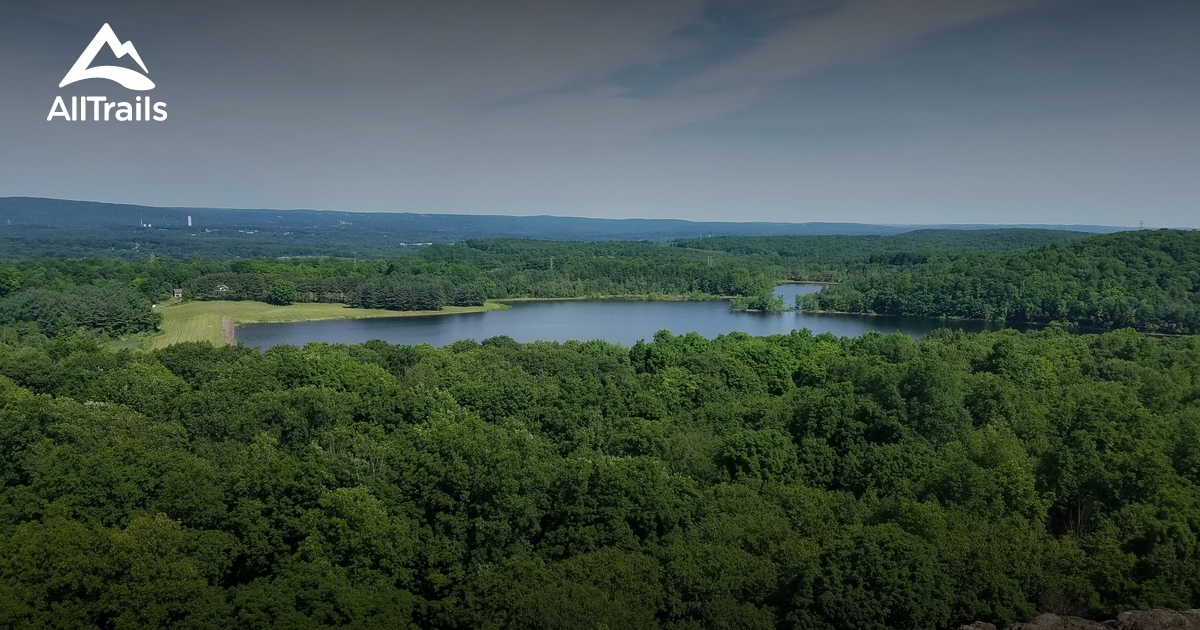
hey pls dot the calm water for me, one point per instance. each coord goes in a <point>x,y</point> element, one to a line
<point>617,321</point>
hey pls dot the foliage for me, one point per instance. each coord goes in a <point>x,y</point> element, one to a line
<point>79,229</point>
<point>464,274</point>
<point>109,308</point>
<point>470,272</point>
<point>762,302</point>
<point>1148,280</point>
<point>895,249</point>
<point>789,481</point>
<point>282,292</point>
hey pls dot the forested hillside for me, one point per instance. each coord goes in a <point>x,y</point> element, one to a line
<point>1149,280</point>
<point>793,481</point>
<point>864,246</point>
<point>34,228</point>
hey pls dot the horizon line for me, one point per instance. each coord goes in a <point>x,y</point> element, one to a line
<point>589,218</point>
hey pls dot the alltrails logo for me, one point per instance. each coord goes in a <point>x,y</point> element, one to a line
<point>101,109</point>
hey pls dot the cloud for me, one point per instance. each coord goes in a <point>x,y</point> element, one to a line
<point>854,30</point>
<point>605,107</point>
<point>811,37</point>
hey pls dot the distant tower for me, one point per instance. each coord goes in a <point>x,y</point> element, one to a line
<point>1141,225</point>
<point>189,220</point>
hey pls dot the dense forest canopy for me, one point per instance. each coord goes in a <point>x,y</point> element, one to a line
<point>875,247</point>
<point>1149,280</point>
<point>793,481</point>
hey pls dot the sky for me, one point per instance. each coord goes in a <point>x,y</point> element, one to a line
<point>878,111</point>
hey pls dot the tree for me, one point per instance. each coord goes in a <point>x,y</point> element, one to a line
<point>10,280</point>
<point>282,292</point>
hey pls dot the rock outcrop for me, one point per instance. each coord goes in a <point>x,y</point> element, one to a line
<point>1050,621</point>
<point>1158,619</point>
<point>1131,620</point>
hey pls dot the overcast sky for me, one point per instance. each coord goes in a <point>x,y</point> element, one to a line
<point>894,111</point>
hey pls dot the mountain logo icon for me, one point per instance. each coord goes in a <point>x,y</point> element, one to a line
<point>130,79</point>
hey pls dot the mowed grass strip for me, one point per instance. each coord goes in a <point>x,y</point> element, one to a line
<point>179,328</point>
<point>201,320</point>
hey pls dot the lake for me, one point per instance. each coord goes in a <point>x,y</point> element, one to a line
<point>613,320</point>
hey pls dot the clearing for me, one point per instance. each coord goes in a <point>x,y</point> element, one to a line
<point>202,320</point>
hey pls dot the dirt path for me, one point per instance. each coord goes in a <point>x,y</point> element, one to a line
<point>227,336</point>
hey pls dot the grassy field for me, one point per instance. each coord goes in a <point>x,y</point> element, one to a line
<point>201,321</point>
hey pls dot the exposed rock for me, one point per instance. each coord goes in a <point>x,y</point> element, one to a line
<point>1050,621</point>
<point>1131,620</point>
<point>1158,620</point>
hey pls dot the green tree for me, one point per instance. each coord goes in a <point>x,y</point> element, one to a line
<point>10,280</point>
<point>282,292</point>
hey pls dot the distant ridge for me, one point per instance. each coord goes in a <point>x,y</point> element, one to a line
<point>32,212</point>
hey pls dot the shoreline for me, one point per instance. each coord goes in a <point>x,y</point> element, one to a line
<point>228,331</point>
<point>232,314</point>
<point>216,321</point>
<point>1073,328</point>
<point>502,304</point>
<point>644,297</point>
<point>944,318</point>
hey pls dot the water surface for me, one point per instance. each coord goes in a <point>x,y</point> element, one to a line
<point>616,321</point>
